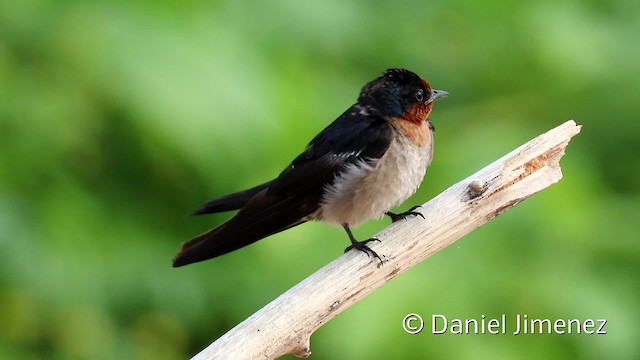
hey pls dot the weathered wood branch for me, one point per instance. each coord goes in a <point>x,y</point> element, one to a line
<point>285,325</point>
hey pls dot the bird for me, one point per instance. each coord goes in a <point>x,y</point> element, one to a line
<point>370,159</point>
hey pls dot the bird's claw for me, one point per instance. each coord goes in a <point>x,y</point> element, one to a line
<point>362,246</point>
<point>404,215</point>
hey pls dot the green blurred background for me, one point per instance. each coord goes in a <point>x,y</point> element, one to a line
<point>119,118</point>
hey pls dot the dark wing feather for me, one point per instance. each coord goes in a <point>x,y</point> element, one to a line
<point>296,193</point>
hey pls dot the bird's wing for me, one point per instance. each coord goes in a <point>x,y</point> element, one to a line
<point>351,138</point>
<point>296,193</point>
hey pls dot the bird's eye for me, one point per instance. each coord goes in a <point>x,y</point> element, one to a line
<point>419,95</point>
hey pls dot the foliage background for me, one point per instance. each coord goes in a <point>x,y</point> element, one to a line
<point>119,118</point>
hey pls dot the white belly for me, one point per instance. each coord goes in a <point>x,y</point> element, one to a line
<point>365,191</point>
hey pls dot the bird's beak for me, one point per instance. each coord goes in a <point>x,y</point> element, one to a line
<point>436,95</point>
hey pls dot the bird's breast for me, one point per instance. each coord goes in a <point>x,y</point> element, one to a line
<point>368,189</point>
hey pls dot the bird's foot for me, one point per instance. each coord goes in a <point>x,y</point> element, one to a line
<point>362,246</point>
<point>402,216</point>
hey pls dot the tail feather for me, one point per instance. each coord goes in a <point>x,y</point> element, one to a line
<point>229,202</point>
<point>264,215</point>
<point>194,250</point>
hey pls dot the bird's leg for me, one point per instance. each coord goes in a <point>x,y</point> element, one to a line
<point>395,217</point>
<point>360,245</point>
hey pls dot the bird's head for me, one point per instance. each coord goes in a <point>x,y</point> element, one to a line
<point>401,93</point>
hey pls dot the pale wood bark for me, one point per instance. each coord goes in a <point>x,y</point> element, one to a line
<point>285,325</point>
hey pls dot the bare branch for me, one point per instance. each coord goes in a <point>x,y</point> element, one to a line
<point>285,325</point>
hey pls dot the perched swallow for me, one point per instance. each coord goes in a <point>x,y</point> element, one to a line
<point>370,159</point>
